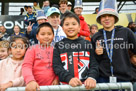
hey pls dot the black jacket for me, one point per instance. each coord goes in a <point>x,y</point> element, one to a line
<point>74,58</point>
<point>124,40</point>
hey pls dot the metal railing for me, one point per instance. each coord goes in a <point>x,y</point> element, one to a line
<point>100,86</point>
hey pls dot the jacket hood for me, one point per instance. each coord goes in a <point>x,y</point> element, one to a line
<point>81,17</point>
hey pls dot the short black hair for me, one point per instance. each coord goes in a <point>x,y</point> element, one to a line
<point>70,15</point>
<point>29,6</point>
<point>45,0</point>
<point>130,23</point>
<point>26,6</point>
<point>46,24</point>
<point>96,8</point>
<point>35,1</point>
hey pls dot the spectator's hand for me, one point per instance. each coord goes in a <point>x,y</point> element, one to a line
<point>32,86</point>
<point>29,28</point>
<point>1,35</point>
<point>90,83</point>
<point>55,82</point>
<point>99,48</point>
<point>3,87</point>
<point>75,82</point>
<point>133,59</point>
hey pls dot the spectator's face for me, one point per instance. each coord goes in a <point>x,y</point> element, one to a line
<point>133,59</point>
<point>97,10</point>
<point>63,5</point>
<point>40,21</point>
<point>18,49</point>
<point>45,35</point>
<point>71,28</point>
<point>78,11</point>
<point>2,29</point>
<point>35,3</point>
<point>3,53</point>
<point>29,10</point>
<point>16,29</point>
<point>134,25</point>
<point>54,19</point>
<point>46,3</point>
<point>25,8</point>
<point>69,7</point>
<point>107,21</point>
<point>94,30</point>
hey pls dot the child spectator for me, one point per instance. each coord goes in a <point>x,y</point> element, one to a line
<point>17,32</point>
<point>31,30</point>
<point>73,61</point>
<point>10,68</point>
<point>37,68</point>
<point>4,47</point>
<point>93,30</point>
<point>113,58</point>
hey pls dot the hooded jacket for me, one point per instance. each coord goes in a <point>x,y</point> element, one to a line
<point>84,30</point>
<point>124,39</point>
<point>74,58</point>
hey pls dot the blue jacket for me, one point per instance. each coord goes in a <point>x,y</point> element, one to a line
<point>32,36</point>
<point>30,18</point>
<point>20,34</point>
<point>45,9</point>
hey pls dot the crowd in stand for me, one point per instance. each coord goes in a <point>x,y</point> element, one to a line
<point>59,47</point>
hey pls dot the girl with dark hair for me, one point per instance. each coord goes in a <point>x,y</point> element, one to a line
<point>10,68</point>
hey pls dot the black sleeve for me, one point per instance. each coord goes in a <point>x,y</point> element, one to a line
<point>93,65</point>
<point>64,75</point>
<point>93,42</point>
<point>31,34</point>
<point>27,35</point>
<point>132,41</point>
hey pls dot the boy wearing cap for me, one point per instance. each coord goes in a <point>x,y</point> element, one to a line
<point>31,30</point>
<point>111,46</point>
<point>53,17</point>
<point>84,30</point>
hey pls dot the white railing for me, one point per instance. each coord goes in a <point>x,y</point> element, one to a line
<point>100,86</point>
